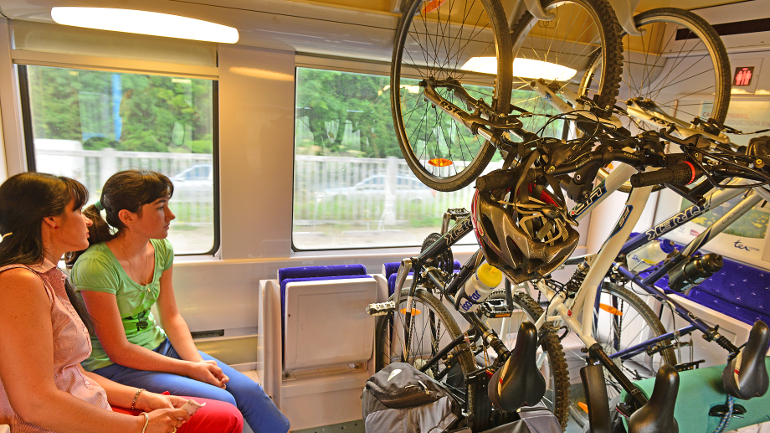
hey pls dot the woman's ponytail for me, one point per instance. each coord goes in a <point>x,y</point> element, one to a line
<point>99,231</point>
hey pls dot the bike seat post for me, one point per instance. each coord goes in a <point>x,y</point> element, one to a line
<point>596,398</point>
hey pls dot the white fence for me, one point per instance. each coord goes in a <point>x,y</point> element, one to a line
<point>193,199</point>
<point>327,190</point>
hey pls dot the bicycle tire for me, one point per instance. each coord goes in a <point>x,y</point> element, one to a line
<point>701,37</point>
<point>430,307</point>
<point>705,39</point>
<point>554,366</point>
<point>601,86</point>
<point>450,156</point>
<point>644,325</point>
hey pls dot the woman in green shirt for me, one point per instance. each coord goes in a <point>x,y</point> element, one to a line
<point>122,275</point>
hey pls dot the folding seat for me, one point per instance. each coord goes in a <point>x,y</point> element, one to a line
<point>316,342</point>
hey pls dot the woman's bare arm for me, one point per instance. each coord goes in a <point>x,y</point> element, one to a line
<point>26,369</point>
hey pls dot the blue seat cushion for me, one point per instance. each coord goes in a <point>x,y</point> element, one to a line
<point>320,271</point>
<point>392,268</point>
<point>725,307</point>
<point>737,290</point>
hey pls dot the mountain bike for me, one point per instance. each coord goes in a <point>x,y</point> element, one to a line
<point>418,327</point>
<point>633,335</point>
<point>451,79</point>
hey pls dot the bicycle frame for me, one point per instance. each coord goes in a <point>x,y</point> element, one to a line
<point>647,284</point>
<point>646,111</point>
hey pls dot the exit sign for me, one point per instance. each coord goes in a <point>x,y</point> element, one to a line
<point>743,76</point>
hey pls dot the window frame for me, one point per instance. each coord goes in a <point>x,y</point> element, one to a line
<point>29,137</point>
<point>345,65</point>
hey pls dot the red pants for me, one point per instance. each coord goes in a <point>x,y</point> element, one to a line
<point>215,417</point>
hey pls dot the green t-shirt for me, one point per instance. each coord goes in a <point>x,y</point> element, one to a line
<point>98,270</point>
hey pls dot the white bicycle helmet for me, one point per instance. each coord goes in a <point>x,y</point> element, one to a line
<point>523,230</point>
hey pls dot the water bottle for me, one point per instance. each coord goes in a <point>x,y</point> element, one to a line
<point>479,286</point>
<point>649,255</point>
<point>694,271</point>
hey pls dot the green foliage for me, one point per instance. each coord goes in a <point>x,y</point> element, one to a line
<point>157,113</point>
<point>99,143</point>
<point>206,145</point>
<point>334,106</point>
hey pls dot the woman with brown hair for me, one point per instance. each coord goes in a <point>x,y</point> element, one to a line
<point>44,331</point>
<point>128,269</point>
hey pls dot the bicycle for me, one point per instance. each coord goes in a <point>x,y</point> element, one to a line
<point>636,332</point>
<point>563,305</point>
<point>433,75</point>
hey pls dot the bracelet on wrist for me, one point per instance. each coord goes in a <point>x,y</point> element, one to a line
<point>146,421</point>
<point>136,397</point>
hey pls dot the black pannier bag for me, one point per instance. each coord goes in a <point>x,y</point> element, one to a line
<point>401,399</point>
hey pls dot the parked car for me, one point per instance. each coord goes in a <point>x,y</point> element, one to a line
<point>407,188</point>
<point>194,182</point>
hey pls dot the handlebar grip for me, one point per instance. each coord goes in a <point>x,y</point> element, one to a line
<point>682,173</point>
<point>496,180</point>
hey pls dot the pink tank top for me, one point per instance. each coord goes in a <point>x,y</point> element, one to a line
<point>71,345</point>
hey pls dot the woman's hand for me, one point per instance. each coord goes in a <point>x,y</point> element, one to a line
<point>149,401</point>
<point>208,372</point>
<point>165,420</point>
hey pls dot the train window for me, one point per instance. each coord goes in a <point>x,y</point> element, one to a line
<point>346,153</point>
<point>89,124</point>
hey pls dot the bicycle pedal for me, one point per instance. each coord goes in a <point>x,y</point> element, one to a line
<point>496,309</point>
<point>685,366</point>
<point>380,308</point>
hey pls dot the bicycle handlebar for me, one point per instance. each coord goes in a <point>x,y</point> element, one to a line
<point>682,173</point>
<point>596,158</point>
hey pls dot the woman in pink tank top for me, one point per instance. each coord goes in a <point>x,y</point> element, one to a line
<point>44,328</point>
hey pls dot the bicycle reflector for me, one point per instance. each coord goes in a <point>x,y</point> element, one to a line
<point>610,309</point>
<point>432,6</point>
<point>440,162</point>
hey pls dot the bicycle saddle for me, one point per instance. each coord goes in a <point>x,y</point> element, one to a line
<point>657,416</point>
<point>519,382</point>
<point>745,376</point>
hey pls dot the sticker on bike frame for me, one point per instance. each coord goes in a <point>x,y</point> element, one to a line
<point>596,193</point>
<point>459,230</point>
<point>675,221</point>
<point>622,221</point>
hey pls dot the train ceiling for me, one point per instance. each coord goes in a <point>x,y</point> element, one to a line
<point>347,28</point>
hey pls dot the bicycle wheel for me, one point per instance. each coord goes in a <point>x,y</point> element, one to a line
<point>677,48</point>
<point>433,328</point>
<point>680,63</point>
<point>550,354</point>
<point>435,40</point>
<point>624,320</point>
<point>576,53</point>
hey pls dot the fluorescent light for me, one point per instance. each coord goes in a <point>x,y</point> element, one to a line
<point>145,23</point>
<point>524,68</point>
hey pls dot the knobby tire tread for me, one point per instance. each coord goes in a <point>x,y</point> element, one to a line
<point>712,39</point>
<point>612,47</point>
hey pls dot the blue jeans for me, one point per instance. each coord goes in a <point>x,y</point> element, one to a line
<point>257,408</point>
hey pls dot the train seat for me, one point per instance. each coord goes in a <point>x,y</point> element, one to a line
<point>734,298</point>
<point>390,272</point>
<point>316,341</point>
